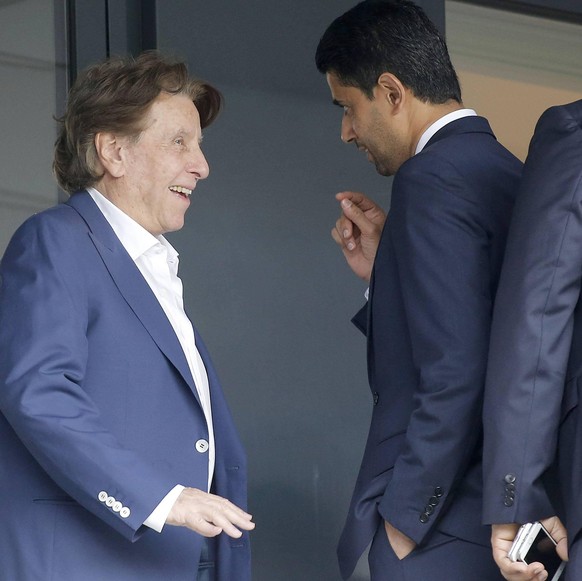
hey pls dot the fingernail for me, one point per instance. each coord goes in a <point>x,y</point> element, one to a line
<point>346,233</point>
<point>346,203</point>
<point>351,246</point>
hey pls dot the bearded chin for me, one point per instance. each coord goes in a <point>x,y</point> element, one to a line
<point>383,169</point>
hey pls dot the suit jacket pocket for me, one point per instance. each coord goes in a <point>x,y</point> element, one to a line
<point>62,500</point>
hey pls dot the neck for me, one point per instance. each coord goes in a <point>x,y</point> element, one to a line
<point>108,187</point>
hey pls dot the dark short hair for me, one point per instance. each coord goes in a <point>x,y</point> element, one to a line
<point>394,36</point>
<point>115,96</point>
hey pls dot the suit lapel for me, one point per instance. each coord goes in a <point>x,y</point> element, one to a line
<point>132,285</point>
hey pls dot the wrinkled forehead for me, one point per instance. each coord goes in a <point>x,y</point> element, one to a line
<point>172,113</point>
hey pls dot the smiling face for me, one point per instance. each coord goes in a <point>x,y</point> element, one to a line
<point>371,125</point>
<point>153,176</point>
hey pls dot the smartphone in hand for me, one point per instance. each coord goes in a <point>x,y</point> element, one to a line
<point>534,544</point>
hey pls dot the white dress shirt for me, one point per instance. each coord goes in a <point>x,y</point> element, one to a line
<point>439,124</point>
<point>157,261</point>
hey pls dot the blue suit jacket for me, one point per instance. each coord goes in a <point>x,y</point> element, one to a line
<point>427,324</point>
<point>534,375</point>
<point>96,397</point>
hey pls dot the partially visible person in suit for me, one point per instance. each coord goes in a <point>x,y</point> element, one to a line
<point>532,411</point>
<point>119,458</point>
<point>432,265</point>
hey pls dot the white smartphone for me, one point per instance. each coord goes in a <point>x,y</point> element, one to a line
<point>517,542</point>
<point>534,544</point>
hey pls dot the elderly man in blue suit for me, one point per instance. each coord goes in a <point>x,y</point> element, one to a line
<point>432,276</point>
<point>113,424</point>
<point>532,413</point>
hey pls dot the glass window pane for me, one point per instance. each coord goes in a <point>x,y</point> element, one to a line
<point>28,105</point>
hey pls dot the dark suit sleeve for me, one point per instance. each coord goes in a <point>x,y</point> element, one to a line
<point>532,325</point>
<point>442,251</point>
<point>44,322</point>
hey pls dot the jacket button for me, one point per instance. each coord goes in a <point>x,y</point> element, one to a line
<point>424,518</point>
<point>376,398</point>
<point>508,501</point>
<point>510,478</point>
<point>433,500</point>
<point>429,509</point>
<point>438,491</point>
<point>202,445</point>
<point>124,512</point>
<point>103,496</point>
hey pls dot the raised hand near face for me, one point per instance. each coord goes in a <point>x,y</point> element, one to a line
<point>358,230</point>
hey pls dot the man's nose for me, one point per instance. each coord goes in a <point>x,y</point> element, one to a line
<point>347,131</point>
<point>198,165</point>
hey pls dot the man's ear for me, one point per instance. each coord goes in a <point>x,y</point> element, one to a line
<point>391,90</point>
<point>109,151</point>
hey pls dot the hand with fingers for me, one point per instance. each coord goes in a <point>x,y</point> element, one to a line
<point>209,514</point>
<point>502,536</point>
<point>358,231</point>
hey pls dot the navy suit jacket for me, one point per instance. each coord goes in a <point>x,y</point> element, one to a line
<point>97,401</point>
<point>427,323</point>
<point>532,416</point>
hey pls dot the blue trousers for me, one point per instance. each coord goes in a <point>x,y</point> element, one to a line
<point>445,558</point>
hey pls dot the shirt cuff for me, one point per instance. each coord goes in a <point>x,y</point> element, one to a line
<point>157,519</point>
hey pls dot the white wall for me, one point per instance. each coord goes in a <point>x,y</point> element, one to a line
<point>512,67</point>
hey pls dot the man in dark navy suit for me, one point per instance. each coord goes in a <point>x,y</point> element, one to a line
<point>532,412</point>
<point>432,265</point>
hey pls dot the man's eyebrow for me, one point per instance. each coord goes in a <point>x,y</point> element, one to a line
<point>186,133</point>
